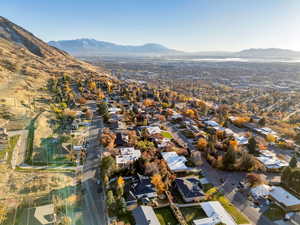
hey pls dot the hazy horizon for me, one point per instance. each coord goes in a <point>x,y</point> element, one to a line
<point>192,25</point>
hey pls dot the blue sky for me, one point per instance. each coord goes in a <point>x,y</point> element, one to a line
<point>191,25</point>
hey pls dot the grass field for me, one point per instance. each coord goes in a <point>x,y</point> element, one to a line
<point>274,213</point>
<point>192,213</point>
<point>9,150</point>
<point>165,216</point>
<point>166,134</point>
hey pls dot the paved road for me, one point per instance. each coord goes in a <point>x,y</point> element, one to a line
<point>94,212</point>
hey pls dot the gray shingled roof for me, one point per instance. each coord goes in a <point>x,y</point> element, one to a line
<point>145,215</point>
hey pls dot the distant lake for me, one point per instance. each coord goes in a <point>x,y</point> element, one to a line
<point>240,60</point>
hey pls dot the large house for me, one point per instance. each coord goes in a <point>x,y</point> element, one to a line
<point>175,162</point>
<point>145,215</point>
<point>287,201</point>
<point>271,161</point>
<point>127,156</point>
<point>189,189</point>
<point>139,187</point>
<point>215,214</point>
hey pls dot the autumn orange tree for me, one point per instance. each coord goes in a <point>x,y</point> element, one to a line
<point>120,186</point>
<point>270,138</point>
<point>202,143</point>
<point>92,85</point>
<point>233,144</point>
<point>239,121</point>
<point>156,180</point>
<point>148,102</point>
<point>190,113</point>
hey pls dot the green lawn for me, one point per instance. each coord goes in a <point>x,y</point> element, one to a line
<point>9,149</point>
<point>127,218</point>
<point>231,209</point>
<point>274,213</point>
<point>165,216</point>
<point>192,213</point>
<point>166,134</point>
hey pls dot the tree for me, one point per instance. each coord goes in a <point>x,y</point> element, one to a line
<point>120,186</point>
<point>92,85</point>
<point>148,102</point>
<point>229,158</point>
<point>108,165</point>
<point>160,186</point>
<point>110,199</point>
<point>233,144</point>
<point>201,143</point>
<point>270,138</point>
<point>252,145</point>
<point>3,213</point>
<point>89,114</point>
<point>293,162</point>
<point>82,101</point>
<point>247,162</point>
<point>255,179</point>
<point>262,122</point>
<point>190,113</point>
<point>65,221</point>
<point>102,108</point>
<point>122,207</point>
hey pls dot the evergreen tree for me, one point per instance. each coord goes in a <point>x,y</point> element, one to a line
<point>110,199</point>
<point>229,158</point>
<point>252,145</point>
<point>293,162</point>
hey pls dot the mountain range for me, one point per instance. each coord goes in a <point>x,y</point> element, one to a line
<point>92,47</point>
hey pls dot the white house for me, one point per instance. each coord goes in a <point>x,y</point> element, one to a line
<point>271,161</point>
<point>175,162</point>
<point>127,156</point>
<point>284,199</point>
<point>260,191</point>
<point>215,214</point>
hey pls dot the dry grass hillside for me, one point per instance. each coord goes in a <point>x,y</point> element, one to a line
<point>26,63</point>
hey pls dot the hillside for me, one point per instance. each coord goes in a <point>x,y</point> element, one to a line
<point>26,63</point>
<point>92,47</point>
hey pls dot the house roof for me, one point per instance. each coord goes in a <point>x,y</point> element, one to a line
<point>211,123</point>
<point>128,154</point>
<point>260,191</point>
<point>189,187</point>
<point>145,215</point>
<point>142,186</point>
<point>216,213</point>
<point>270,160</point>
<point>174,161</point>
<point>283,196</point>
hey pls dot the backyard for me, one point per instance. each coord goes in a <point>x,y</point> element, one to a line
<point>192,213</point>
<point>165,216</point>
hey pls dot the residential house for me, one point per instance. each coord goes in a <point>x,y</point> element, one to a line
<point>139,187</point>
<point>175,162</point>
<point>121,139</point>
<point>145,215</point>
<point>190,189</point>
<point>215,214</point>
<point>287,201</point>
<point>271,161</point>
<point>127,156</point>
